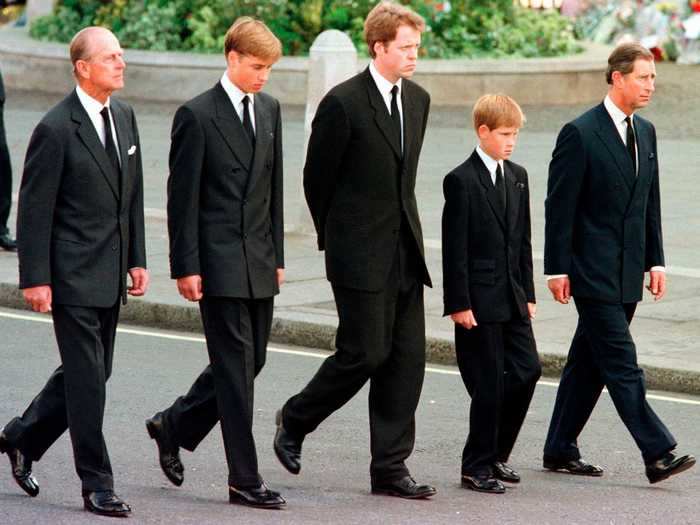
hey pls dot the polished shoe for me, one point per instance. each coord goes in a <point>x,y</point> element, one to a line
<point>668,465</point>
<point>405,487</point>
<point>106,503</point>
<point>8,243</point>
<point>168,454</point>
<point>21,467</point>
<point>503,472</point>
<point>259,497</point>
<point>287,447</point>
<point>575,466</point>
<point>483,483</point>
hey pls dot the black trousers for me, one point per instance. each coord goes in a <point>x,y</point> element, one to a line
<point>5,168</point>
<point>380,338</point>
<point>500,368</point>
<point>602,353</point>
<point>74,396</point>
<point>237,332</point>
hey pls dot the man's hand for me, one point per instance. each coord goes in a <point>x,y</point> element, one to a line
<point>190,287</point>
<point>531,310</point>
<point>139,281</point>
<point>464,318</point>
<point>561,289</point>
<point>38,297</point>
<point>657,284</point>
<point>280,276</point>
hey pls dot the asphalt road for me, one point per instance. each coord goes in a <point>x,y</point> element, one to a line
<point>151,368</point>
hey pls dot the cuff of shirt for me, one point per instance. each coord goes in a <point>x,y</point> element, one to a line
<point>658,269</point>
<point>559,276</point>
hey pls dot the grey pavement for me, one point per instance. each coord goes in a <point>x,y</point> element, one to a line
<point>666,333</point>
<point>152,367</point>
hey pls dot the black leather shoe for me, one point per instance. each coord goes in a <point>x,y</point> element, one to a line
<point>8,243</point>
<point>503,472</point>
<point>21,467</point>
<point>575,466</point>
<point>287,447</point>
<point>106,503</point>
<point>483,483</point>
<point>260,497</point>
<point>668,465</point>
<point>405,487</point>
<point>168,454</point>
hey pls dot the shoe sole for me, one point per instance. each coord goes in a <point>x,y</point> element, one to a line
<point>681,468</point>
<point>483,491</point>
<point>393,493</point>
<point>566,471</point>
<point>234,500</point>
<point>278,423</point>
<point>93,510</point>
<point>153,435</point>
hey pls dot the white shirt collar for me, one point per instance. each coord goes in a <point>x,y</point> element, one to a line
<point>234,93</point>
<point>490,163</point>
<point>382,83</point>
<point>92,106</point>
<point>618,116</point>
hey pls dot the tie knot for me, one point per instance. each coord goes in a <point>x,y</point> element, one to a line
<point>105,113</point>
<point>246,101</point>
<point>394,91</point>
<point>628,120</point>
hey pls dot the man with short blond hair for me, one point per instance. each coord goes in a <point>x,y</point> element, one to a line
<point>80,229</point>
<point>359,181</point>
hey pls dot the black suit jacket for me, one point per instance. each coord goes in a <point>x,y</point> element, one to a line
<point>225,210</point>
<point>603,223</point>
<point>76,230</point>
<point>358,186</point>
<point>487,261</point>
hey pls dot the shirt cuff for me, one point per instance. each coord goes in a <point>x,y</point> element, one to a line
<point>558,276</point>
<point>658,269</point>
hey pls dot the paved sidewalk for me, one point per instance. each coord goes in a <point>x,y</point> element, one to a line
<point>666,333</point>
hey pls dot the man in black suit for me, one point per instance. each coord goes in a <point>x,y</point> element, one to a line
<point>226,252</point>
<point>359,181</point>
<point>489,291</point>
<point>80,231</point>
<point>602,233</point>
<point>6,242</point>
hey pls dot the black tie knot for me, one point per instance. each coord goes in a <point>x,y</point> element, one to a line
<point>247,123</point>
<point>110,146</point>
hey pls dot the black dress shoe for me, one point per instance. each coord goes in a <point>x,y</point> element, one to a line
<point>259,497</point>
<point>667,466</point>
<point>21,467</point>
<point>168,453</point>
<point>575,466</point>
<point>483,483</point>
<point>287,447</point>
<point>8,243</point>
<point>503,472</point>
<point>106,503</point>
<point>405,487</point>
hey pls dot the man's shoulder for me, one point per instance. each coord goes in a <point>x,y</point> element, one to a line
<point>415,90</point>
<point>121,105</point>
<point>203,103</point>
<point>516,168</point>
<point>59,116</point>
<point>350,88</point>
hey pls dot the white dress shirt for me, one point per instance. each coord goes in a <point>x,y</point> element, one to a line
<point>93,108</point>
<point>490,163</point>
<point>385,87</point>
<point>236,96</point>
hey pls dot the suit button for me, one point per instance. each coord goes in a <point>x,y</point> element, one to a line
<point>245,201</point>
<point>114,247</point>
<point>245,236</point>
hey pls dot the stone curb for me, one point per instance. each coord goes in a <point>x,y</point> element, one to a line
<point>321,336</point>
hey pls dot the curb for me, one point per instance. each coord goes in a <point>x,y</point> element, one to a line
<point>321,336</point>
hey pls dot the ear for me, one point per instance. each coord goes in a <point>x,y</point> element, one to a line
<point>483,131</point>
<point>82,69</point>
<point>617,78</point>
<point>232,58</point>
<point>379,46</point>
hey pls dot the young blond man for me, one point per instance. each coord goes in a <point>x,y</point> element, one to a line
<point>226,252</point>
<point>489,291</point>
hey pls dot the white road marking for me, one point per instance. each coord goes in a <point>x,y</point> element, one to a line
<point>41,318</point>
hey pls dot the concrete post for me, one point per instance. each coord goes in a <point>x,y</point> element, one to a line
<point>36,8</point>
<point>332,59</point>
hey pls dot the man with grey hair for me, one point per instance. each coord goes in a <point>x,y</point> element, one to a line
<point>80,232</point>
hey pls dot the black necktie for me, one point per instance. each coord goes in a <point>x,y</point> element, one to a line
<point>247,124</point>
<point>110,147</point>
<point>500,188</point>
<point>631,146</point>
<point>395,115</point>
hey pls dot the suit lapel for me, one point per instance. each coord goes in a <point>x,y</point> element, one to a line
<point>124,144</point>
<point>607,132</point>
<point>644,149</point>
<point>381,114</point>
<point>490,189</point>
<point>263,139</point>
<point>88,135</point>
<point>411,122</point>
<point>512,196</point>
<point>231,128</point>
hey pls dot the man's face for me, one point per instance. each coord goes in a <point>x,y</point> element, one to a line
<point>104,70</point>
<point>398,58</point>
<point>248,73</point>
<point>637,86</point>
<point>499,143</point>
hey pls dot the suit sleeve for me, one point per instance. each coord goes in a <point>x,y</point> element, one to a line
<point>37,201</point>
<point>566,174</point>
<point>277,202</point>
<point>137,230</point>
<point>330,135</point>
<point>654,255</point>
<point>455,246</point>
<point>186,163</point>
<point>526,247</point>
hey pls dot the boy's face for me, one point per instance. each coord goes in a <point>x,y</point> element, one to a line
<point>498,143</point>
<point>248,73</point>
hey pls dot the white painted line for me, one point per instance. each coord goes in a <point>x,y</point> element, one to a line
<point>304,353</point>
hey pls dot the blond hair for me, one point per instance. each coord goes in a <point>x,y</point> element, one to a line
<point>252,37</point>
<point>384,20</point>
<point>497,110</point>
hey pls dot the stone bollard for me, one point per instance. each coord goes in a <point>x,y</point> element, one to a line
<point>332,59</point>
<point>36,8</point>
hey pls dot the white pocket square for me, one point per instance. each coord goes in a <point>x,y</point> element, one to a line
<point>132,150</point>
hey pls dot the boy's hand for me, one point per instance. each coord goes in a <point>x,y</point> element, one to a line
<point>560,288</point>
<point>465,319</point>
<point>531,310</point>
<point>657,284</point>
